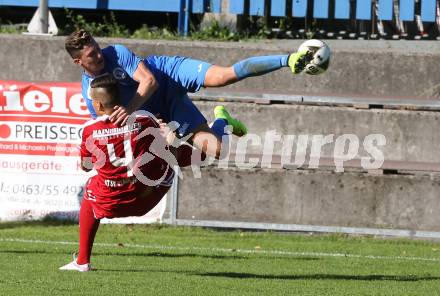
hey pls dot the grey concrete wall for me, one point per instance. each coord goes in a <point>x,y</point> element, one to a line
<point>410,135</point>
<point>311,198</point>
<point>371,68</point>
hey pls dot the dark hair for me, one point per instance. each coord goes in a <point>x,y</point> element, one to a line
<point>110,85</point>
<point>76,42</point>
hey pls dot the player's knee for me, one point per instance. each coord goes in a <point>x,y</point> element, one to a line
<point>218,80</point>
<point>224,79</point>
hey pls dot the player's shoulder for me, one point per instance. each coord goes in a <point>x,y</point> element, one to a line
<point>114,50</point>
<point>111,51</point>
<point>118,46</point>
<point>95,123</point>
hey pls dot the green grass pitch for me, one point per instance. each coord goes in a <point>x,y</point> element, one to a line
<point>164,260</point>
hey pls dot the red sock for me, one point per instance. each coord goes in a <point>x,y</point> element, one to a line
<point>88,226</point>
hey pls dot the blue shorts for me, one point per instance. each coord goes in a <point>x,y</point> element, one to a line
<point>188,116</point>
<point>173,104</point>
<point>191,74</point>
<point>188,73</point>
<point>177,76</point>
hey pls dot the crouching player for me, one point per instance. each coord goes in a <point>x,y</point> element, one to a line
<point>131,178</point>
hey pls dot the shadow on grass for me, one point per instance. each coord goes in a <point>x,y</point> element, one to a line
<point>373,277</point>
<point>37,252</point>
<point>153,254</point>
<point>195,255</point>
<point>293,277</point>
<point>169,255</point>
<point>27,252</point>
<point>150,254</point>
<point>47,222</point>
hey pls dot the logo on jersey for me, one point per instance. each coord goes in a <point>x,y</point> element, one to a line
<point>119,74</point>
<point>111,132</point>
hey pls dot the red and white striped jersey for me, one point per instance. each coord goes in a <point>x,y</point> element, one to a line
<point>126,158</point>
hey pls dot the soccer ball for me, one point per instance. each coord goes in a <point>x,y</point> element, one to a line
<point>321,56</point>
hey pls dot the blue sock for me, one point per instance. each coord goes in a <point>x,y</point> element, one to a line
<point>259,65</point>
<point>218,127</point>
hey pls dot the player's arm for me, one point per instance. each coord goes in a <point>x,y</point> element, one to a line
<point>136,68</point>
<point>86,156</point>
<point>147,86</point>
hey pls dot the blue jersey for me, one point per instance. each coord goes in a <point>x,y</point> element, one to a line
<point>175,76</point>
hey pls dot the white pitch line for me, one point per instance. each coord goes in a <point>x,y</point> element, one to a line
<point>225,250</point>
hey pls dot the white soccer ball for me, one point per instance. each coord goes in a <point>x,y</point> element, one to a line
<point>321,56</point>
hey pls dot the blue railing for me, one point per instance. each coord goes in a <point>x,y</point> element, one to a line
<point>341,9</point>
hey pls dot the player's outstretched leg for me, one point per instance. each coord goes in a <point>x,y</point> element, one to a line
<point>73,266</point>
<point>88,226</point>
<point>217,76</point>
<point>213,140</point>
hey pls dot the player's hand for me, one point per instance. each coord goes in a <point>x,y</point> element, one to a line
<point>119,116</point>
<point>167,131</point>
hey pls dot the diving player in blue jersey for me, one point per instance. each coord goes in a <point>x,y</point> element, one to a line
<point>159,84</point>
